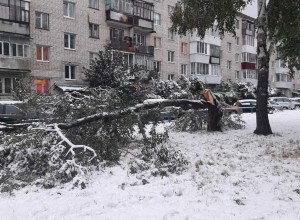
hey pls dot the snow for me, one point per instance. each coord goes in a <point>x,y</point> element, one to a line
<point>232,175</point>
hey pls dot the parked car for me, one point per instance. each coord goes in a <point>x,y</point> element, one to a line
<point>231,109</point>
<point>296,101</point>
<point>13,112</point>
<point>171,112</point>
<point>284,102</point>
<point>249,105</point>
<point>275,105</point>
<point>246,105</point>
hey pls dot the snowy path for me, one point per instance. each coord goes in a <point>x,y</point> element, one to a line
<point>232,175</point>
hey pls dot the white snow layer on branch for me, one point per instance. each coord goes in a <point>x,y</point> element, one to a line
<point>73,146</point>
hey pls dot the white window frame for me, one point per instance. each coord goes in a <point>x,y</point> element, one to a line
<point>2,82</point>
<point>69,6</point>
<point>171,35</point>
<point>229,47</point>
<point>40,18</point>
<point>69,41</point>
<point>157,18</point>
<point>237,57</point>
<point>170,9</point>
<point>202,47</point>
<point>237,40</point>
<point>171,56</point>
<point>70,68</point>
<point>157,42</point>
<point>184,48</point>
<point>94,30</point>
<point>94,4</point>
<point>24,49</point>
<point>229,64</point>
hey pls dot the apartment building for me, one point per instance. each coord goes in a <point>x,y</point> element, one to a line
<point>54,40</point>
<point>14,43</point>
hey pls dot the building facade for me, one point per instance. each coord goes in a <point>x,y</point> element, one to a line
<point>54,40</point>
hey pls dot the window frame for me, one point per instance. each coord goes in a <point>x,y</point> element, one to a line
<point>92,31</point>
<point>68,4</point>
<point>69,41</point>
<point>94,2</point>
<point>171,56</point>
<point>157,42</point>
<point>70,68</point>
<point>42,53</point>
<point>157,18</point>
<point>40,26</point>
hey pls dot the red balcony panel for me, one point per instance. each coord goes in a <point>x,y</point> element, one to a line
<point>249,66</point>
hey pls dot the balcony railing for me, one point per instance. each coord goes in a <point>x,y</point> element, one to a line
<point>131,47</point>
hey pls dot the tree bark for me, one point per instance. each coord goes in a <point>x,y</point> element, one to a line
<point>262,120</point>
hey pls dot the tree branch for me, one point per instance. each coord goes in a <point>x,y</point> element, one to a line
<point>148,104</point>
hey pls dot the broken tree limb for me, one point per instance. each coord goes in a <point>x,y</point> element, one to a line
<point>147,104</point>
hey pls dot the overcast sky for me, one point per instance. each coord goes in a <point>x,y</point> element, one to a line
<point>251,9</point>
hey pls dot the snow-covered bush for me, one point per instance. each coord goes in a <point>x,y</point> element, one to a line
<point>192,120</point>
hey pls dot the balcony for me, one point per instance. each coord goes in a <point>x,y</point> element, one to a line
<point>15,63</point>
<point>135,14</point>
<point>284,85</point>
<point>209,79</point>
<point>127,46</point>
<point>214,60</point>
<point>14,27</point>
<point>246,31</point>
<point>247,65</point>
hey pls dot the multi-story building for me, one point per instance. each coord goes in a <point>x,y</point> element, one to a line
<point>54,40</point>
<point>14,43</point>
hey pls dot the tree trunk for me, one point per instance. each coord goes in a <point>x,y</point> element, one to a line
<point>262,121</point>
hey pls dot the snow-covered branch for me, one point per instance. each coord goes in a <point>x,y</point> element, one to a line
<point>73,146</point>
<point>147,104</point>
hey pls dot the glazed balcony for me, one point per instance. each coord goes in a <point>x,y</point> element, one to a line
<point>131,47</point>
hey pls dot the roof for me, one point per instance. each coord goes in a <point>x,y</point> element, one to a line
<point>70,88</point>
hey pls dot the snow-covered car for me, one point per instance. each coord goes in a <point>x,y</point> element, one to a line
<point>13,112</point>
<point>274,105</point>
<point>284,102</point>
<point>296,101</point>
<point>231,109</point>
<point>171,112</point>
<point>249,105</point>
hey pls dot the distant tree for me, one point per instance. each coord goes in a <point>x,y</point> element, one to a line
<point>278,23</point>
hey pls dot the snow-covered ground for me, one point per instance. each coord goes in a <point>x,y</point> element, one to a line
<point>232,175</point>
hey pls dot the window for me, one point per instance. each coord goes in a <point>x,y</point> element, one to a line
<point>93,30</point>
<point>139,39</point>
<point>69,9</point>
<point>184,48</point>
<point>69,41</point>
<point>41,20</point>
<point>214,51</point>
<point>237,57</point>
<point>237,75</point>
<point>6,85</point>
<point>215,70</point>
<point>15,10</point>
<point>116,34</point>
<point>170,10</point>
<point>229,47</point>
<point>93,56</point>
<point>42,86</point>
<point>157,42</point>
<point>157,19</point>
<point>229,64</point>
<point>171,55</point>
<point>237,40</point>
<point>94,4</point>
<point>199,68</point>
<point>249,74</point>
<point>157,66</point>
<point>201,47</point>
<point>183,69</point>
<point>249,57</point>
<point>19,50</point>
<point>171,34</point>
<point>171,76</point>
<point>237,24</point>
<point>70,72</point>
<point>248,40</point>
<point>42,53</point>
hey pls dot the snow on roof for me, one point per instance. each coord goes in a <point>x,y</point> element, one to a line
<point>69,88</point>
<point>10,102</point>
